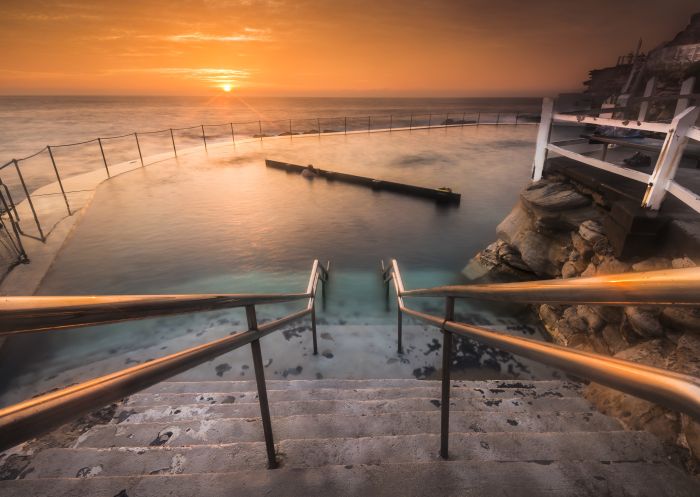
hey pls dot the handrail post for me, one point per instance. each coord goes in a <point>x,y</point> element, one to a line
<point>399,329</point>
<point>262,390</point>
<point>313,327</point>
<point>172,138</point>
<point>29,200</point>
<point>104,159</point>
<point>204,139</point>
<point>138,146</point>
<point>542,138</point>
<point>58,177</point>
<point>23,258</point>
<point>446,364</point>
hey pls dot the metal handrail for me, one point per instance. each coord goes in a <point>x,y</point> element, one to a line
<point>41,414</point>
<point>676,391</point>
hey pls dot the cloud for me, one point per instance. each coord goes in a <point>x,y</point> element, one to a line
<point>212,75</point>
<point>248,34</point>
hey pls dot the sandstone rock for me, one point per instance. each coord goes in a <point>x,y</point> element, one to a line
<point>568,270</point>
<point>609,314</point>
<point>580,245</point>
<point>593,320</point>
<point>682,262</point>
<point>515,222</point>
<point>644,321</point>
<point>549,314</point>
<point>614,338</point>
<point>635,413</point>
<point>611,265</point>
<point>535,250</point>
<point>589,271</point>
<point>681,318</point>
<point>507,254</point>
<point>686,357</point>
<point>476,269</point>
<point>579,324</point>
<point>652,264</point>
<point>580,262</point>
<point>554,196</point>
<point>498,261</point>
<point>591,231</point>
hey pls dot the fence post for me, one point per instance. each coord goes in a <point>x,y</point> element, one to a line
<point>138,146</point>
<point>686,89</point>
<point>29,200</point>
<point>58,177</point>
<point>104,159</point>
<point>446,364</point>
<point>233,136</point>
<point>669,158</point>
<point>262,390</point>
<point>648,92</point>
<point>204,138</point>
<point>172,138</point>
<point>542,138</point>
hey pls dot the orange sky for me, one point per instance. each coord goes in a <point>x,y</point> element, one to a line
<point>338,48</point>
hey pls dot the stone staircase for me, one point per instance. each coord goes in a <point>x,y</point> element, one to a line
<point>355,437</point>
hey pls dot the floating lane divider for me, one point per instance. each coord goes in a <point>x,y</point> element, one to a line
<point>440,195</point>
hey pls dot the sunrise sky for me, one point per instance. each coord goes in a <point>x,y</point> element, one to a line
<point>322,47</point>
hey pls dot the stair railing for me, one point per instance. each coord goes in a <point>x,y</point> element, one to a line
<point>41,414</point>
<point>677,287</point>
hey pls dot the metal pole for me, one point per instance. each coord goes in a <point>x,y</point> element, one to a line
<point>446,364</point>
<point>346,125</point>
<point>260,128</point>
<point>20,248</point>
<point>517,114</point>
<point>391,123</point>
<point>410,125</point>
<point>60,183</point>
<point>172,138</point>
<point>447,119</point>
<point>430,120</point>
<point>318,125</point>
<point>498,118</point>
<point>138,146</point>
<point>369,123</point>
<point>290,128</point>
<point>313,327</point>
<point>104,159</point>
<point>262,390</point>
<point>478,118</point>
<point>233,136</point>
<point>400,330</point>
<point>464,115</point>
<point>29,199</point>
<point>204,138</point>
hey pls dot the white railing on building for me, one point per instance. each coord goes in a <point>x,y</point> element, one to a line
<point>681,129</point>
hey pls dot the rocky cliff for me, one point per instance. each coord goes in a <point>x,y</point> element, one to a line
<point>556,230</point>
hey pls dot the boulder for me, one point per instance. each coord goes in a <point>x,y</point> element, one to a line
<point>611,265</point>
<point>614,339</point>
<point>580,245</point>
<point>515,222</point>
<point>682,262</point>
<point>593,320</point>
<point>591,231</point>
<point>652,264</point>
<point>499,261</point>
<point>554,195</point>
<point>681,318</point>
<point>644,321</point>
<point>569,270</point>
<point>590,271</point>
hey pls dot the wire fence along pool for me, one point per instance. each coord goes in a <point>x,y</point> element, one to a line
<point>69,172</point>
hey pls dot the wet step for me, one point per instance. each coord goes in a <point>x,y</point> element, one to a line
<point>444,478</point>
<point>245,386</point>
<point>615,446</point>
<point>431,392</point>
<point>250,409</point>
<point>227,430</point>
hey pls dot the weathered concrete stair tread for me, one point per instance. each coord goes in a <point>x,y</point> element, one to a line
<point>332,425</point>
<point>432,392</point>
<point>614,446</point>
<point>173,412</point>
<point>244,386</point>
<point>444,478</point>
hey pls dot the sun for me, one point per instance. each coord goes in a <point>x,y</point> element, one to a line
<point>226,87</point>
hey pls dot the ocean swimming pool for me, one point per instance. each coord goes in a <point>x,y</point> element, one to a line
<point>223,222</point>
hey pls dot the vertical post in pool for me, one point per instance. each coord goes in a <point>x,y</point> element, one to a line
<point>391,122</point>
<point>138,146</point>
<point>104,159</point>
<point>464,115</point>
<point>290,129</point>
<point>204,139</point>
<point>517,114</point>
<point>29,200</point>
<point>446,364</point>
<point>318,125</point>
<point>478,118</point>
<point>369,123</point>
<point>346,125</point>
<point>172,139</point>
<point>410,124</point>
<point>430,120</point>
<point>498,118</point>
<point>260,129</point>
<point>447,119</point>
<point>58,177</point>
<point>262,390</point>
<point>233,135</point>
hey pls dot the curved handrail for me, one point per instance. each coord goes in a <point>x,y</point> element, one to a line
<point>41,414</point>
<point>674,390</point>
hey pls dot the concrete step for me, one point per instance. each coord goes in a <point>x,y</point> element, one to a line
<point>229,430</point>
<point>246,386</point>
<point>613,446</point>
<point>175,413</point>
<point>444,478</point>
<point>431,392</point>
